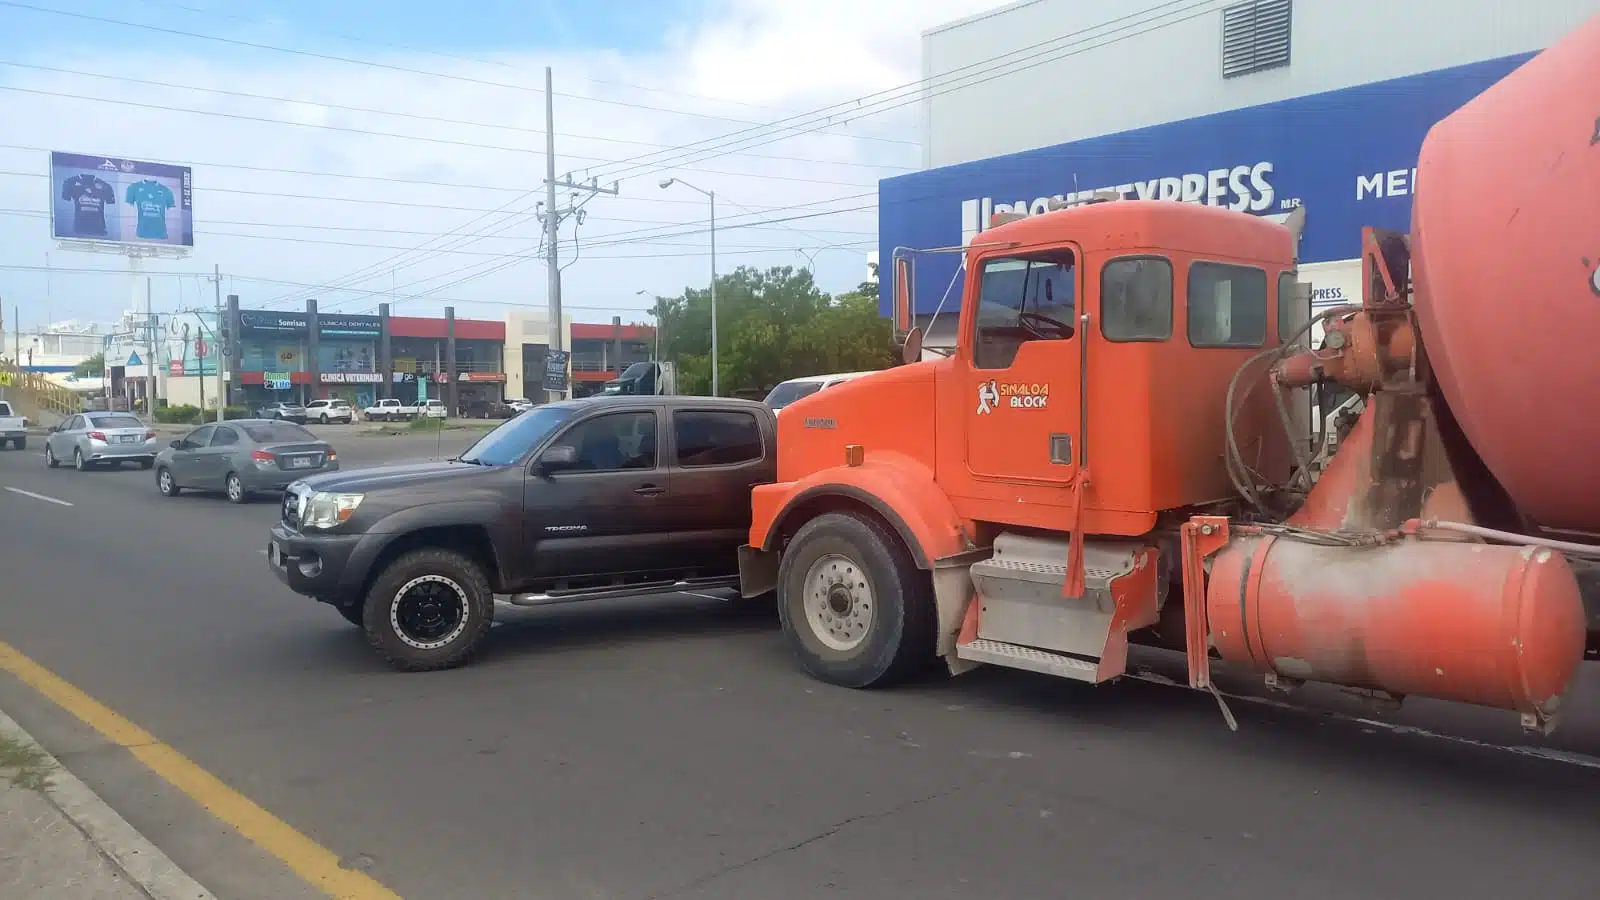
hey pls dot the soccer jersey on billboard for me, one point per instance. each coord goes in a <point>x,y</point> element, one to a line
<point>121,201</point>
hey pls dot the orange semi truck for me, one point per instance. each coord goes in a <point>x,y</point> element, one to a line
<point>1115,452</point>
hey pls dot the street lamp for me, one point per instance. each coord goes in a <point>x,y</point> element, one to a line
<point>655,313</point>
<point>712,196</point>
<point>811,255</point>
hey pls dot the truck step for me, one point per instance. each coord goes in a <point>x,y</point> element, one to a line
<point>1015,656</point>
<point>637,589</point>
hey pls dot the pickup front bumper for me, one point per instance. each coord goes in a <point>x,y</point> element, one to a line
<point>329,567</point>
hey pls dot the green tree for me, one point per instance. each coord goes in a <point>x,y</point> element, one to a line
<point>92,367</point>
<point>772,325</point>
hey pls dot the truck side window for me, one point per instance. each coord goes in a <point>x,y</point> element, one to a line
<point>1227,305</point>
<point>715,438</point>
<point>1021,299</point>
<point>614,442</point>
<point>1136,299</point>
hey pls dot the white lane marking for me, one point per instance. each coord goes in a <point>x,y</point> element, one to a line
<point>1565,757</point>
<point>38,496</point>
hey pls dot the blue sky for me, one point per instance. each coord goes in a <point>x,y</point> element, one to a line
<point>365,181</point>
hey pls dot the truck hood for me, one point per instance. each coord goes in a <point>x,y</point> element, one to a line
<point>412,477</point>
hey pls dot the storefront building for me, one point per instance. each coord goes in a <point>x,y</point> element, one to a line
<point>310,355</point>
<point>1261,106</point>
<point>600,353</point>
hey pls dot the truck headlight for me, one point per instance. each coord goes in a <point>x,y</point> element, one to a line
<point>327,510</point>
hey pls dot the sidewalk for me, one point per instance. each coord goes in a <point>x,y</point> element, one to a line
<point>59,840</point>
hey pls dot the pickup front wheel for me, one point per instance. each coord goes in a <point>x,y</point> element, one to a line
<point>430,609</point>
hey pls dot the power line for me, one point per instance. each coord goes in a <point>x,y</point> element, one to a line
<point>860,107</point>
<point>406,115</point>
<point>391,67</point>
<point>345,129</point>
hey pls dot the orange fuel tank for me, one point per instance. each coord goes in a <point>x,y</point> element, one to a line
<point>1491,625</point>
<point>1506,261</point>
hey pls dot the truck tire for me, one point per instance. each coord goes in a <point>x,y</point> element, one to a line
<point>854,606</point>
<point>430,609</point>
<point>20,443</point>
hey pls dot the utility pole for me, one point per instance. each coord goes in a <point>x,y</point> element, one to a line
<point>216,346</point>
<point>552,216</point>
<point>150,349</point>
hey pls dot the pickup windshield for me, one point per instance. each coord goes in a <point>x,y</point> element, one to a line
<point>509,443</point>
<point>790,391</point>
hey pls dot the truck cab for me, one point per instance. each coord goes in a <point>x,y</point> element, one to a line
<point>1085,397</point>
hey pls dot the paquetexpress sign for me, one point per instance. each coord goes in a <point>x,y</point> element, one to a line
<point>1348,156</point>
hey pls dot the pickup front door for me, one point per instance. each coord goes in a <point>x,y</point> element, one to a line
<point>605,514</point>
<point>1023,385</point>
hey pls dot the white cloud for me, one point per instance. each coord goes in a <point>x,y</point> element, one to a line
<point>763,59</point>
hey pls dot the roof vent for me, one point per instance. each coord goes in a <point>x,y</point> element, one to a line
<point>1255,36</point>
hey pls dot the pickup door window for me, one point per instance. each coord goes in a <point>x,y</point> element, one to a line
<point>718,455</point>
<point>606,513</point>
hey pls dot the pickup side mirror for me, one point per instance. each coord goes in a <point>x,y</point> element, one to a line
<point>559,456</point>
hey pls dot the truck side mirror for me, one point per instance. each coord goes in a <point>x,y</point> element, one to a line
<point>559,456</point>
<point>911,351</point>
<point>900,292</point>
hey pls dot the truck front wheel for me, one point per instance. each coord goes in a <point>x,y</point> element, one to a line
<point>429,609</point>
<point>854,606</point>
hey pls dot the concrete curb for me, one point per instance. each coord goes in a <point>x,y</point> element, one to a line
<point>145,865</point>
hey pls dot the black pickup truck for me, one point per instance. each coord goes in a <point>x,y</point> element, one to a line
<point>568,501</point>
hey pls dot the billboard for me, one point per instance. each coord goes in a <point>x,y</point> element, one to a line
<point>1348,156</point>
<point>191,344</point>
<point>120,201</point>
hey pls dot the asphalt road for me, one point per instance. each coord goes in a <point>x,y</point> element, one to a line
<point>668,747</point>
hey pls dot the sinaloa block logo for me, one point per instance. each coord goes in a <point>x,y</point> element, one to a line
<point>1013,394</point>
<point>1242,188</point>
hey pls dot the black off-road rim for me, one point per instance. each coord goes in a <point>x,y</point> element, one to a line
<point>429,612</point>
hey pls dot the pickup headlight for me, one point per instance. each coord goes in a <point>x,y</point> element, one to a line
<point>327,510</point>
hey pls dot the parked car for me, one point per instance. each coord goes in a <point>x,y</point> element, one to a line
<point>13,428</point>
<point>433,409</point>
<point>92,439</point>
<point>576,500</point>
<point>489,409</point>
<point>388,410</point>
<point>335,409</point>
<point>242,458</point>
<point>520,404</point>
<point>795,388</point>
<point>289,412</point>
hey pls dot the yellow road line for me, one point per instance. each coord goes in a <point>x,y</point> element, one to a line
<point>308,859</point>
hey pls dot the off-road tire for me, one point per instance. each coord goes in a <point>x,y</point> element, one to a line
<point>378,622</point>
<point>900,641</point>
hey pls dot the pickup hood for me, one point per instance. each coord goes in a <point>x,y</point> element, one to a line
<point>417,477</point>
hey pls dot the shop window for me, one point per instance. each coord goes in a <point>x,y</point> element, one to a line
<point>1227,305</point>
<point>1255,36</point>
<point>1136,299</point>
<point>1023,299</point>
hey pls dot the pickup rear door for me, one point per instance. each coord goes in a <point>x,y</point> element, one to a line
<point>606,515</point>
<point>718,455</point>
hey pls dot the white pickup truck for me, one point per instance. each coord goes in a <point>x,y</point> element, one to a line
<point>390,410</point>
<point>13,428</point>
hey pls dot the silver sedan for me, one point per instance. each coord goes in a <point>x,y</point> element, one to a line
<point>242,457</point>
<point>95,439</point>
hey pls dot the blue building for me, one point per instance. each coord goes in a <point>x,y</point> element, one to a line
<point>1260,106</point>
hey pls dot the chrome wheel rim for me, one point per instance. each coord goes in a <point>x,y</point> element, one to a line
<point>164,481</point>
<point>839,603</point>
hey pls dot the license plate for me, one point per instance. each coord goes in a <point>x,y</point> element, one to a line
<point>130,439</point>
<point>300,462</point>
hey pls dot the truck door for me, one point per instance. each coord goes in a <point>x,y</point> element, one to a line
<point>1022,381</point>
<point>718,455</point>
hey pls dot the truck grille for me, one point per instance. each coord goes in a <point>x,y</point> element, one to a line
<point>291,509</point>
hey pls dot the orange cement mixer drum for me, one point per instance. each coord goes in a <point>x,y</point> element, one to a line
<point>1506,262</point>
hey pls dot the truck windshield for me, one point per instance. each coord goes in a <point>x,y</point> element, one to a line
<point>509,443</point>
<point>790,391</point>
